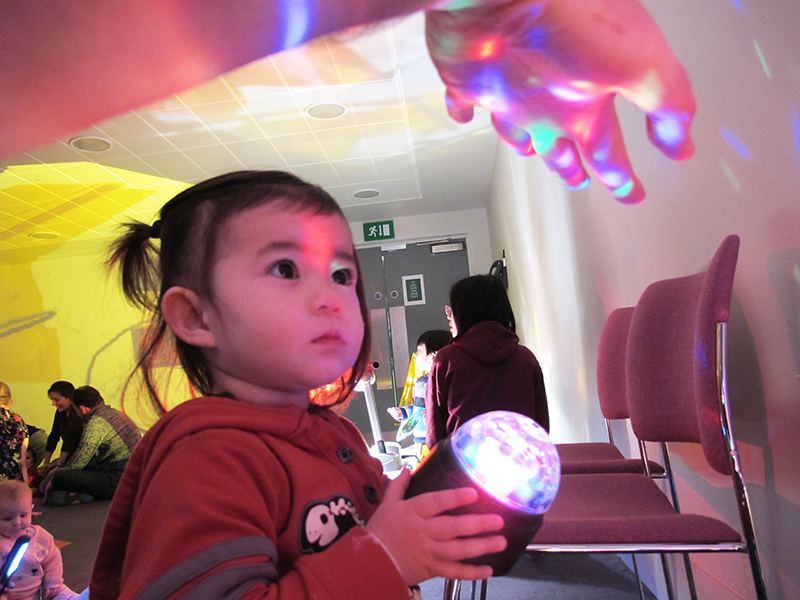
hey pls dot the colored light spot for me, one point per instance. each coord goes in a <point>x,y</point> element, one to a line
<point>762,59</point>
<point>796,127</point>
<point>297,22</point>
<point>668,130</point>
<point>565,93</point>
<point>624,190</point>
<point>730,175</point>
<point>738,4</point>
<point>582,185</point>
<point>488,49</point>
<point>648,92</point>
<point>736,144</point>
<point>797,274</point>
<point>544,136</point>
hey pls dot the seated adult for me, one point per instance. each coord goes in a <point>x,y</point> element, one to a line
<point>94,469</point>
<point>13,438</point>
<point>67,426</point>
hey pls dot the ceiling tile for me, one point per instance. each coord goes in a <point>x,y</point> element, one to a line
<point>180,127</point>
<point>310,65</point>
<point>355,171</point>
<point>321,174</point>
<point>257,154</point>
<point>259,78</point>
<point>135,134</point>
<point>214,90</point>
<point>174,165</point>
<point>299,149</point>
<point>387,138</point>
<point>304,98</point>
<point>228,121</point>
<point>365,56</point>
<point>214,160</point>
<point>399,166</point>
<point>277,115</point>
<point>57,152</point>
<point>340,195</point>
<point>401,189</point>
<point>342,143</point>
<point>375,102</point>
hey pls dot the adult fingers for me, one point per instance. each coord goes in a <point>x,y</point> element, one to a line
<point>564,160</point>
<point>515,137</point>
<point>459,109</point>
<point>604,151</point>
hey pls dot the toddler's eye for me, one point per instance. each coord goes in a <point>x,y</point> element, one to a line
<point>343,276</point>
<point>285,269</point>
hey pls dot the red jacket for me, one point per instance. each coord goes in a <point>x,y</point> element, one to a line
<point>225,498</point>
<point>483,370</point>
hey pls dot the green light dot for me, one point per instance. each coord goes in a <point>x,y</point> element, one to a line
<point>623,191</point>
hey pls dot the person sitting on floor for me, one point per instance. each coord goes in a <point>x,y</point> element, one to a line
<point>67,426</point>
<point>94,469</point>
<point>40,569</point>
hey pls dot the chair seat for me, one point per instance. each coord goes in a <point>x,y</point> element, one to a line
<point>626,509</point>
<point>600,457</point>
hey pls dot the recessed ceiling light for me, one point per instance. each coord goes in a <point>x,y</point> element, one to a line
<point>325,110</point>
<point>43,235</point>
<point>90,143</point>
<point>366,194</point>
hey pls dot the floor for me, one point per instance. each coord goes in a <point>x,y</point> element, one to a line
<point>548,577</point>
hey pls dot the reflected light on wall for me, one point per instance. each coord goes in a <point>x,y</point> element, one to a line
<point>735,143</point>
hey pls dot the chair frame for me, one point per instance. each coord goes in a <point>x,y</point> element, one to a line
<point>748,545</point>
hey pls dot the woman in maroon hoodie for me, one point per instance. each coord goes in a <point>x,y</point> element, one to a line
<point>485,368</point>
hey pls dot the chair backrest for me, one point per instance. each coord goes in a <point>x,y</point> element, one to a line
<point>611,364</point>
<point>671,358</point>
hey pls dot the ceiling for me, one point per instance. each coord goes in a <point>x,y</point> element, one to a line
<point>394,137</point>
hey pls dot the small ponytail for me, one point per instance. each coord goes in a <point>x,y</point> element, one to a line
<point>137,259</point>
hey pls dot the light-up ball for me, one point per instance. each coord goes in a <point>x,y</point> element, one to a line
<point>511,461</point>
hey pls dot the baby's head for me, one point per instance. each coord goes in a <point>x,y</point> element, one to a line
<point>428,344</point>
<point>204,226</point>
<point>16,504</point>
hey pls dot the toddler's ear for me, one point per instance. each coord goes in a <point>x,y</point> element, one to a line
<point>185,313</point>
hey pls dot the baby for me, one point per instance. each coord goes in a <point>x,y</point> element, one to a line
<point>41,567</point>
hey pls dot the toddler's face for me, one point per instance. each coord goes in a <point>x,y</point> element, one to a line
<point>15,517</point>
<point>423,360</point>
<point>285,316</point>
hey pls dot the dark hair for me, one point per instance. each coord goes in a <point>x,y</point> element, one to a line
<point>87,396</point>
<point>62,388</point>
<point>480,298</point>
<point>434,339</point>
<point>188,227</point>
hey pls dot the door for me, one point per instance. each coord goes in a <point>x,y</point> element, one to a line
<point>407,287</point>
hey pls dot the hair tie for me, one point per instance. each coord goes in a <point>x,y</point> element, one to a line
<point>155,229</point>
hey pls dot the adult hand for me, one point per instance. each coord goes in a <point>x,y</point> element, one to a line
<point>548,71</point>
<point>425,543</point>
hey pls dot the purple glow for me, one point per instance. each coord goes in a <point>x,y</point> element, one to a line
<point>736,144</point>
<point>738,4</point>
<point>796,127</point>
<point>511,457</point>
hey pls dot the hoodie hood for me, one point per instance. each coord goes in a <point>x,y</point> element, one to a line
<point>489,342</point>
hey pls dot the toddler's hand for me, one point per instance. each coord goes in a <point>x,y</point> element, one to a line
<point>548,71</point>
<point>396,412</point>
<point>425,543</point>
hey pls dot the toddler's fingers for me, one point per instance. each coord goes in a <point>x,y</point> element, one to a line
<point>396,490</point>
<point>449,527</point>
<point>462,549</point>
<point>434,503</point>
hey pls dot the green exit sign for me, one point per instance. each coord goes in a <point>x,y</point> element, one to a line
<point>380,230</point>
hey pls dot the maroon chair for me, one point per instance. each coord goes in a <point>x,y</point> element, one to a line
<point>606,457</point>
<point>676,387</point>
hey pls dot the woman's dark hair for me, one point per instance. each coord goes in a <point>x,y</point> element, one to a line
<point>434,339</point>
<point>480,298</point>
<point>188,228</point>
<point>87,396</point>
<point>62,388</point>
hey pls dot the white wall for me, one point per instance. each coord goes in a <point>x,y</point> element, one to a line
<point>574,257</point>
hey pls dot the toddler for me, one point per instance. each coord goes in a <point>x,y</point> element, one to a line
<point>40,568</point>
<point>252,491</point>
